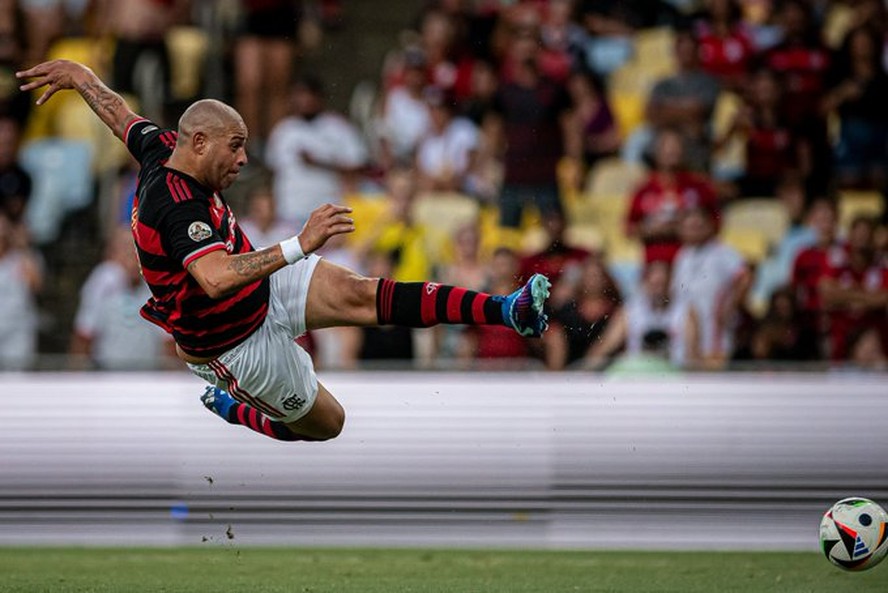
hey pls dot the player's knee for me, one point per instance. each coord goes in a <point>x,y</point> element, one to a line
<point>333,424</point>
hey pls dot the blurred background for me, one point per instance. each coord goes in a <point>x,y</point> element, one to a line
<point>703,181</point>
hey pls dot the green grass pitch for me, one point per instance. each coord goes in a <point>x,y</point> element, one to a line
<point>220,569</point>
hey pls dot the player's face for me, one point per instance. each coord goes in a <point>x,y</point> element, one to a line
<point>228,155</point>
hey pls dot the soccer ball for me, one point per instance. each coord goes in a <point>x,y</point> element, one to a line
<point>854,534</point>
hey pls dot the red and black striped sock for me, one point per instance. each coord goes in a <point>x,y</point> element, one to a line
<point>255,420</point>
<point>424,304</point>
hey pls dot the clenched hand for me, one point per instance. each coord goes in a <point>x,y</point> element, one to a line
<point>325,222</point>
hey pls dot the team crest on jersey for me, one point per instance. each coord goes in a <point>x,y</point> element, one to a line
<point>198,231</point>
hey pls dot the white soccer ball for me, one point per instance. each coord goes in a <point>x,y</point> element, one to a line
<point>854,534</point>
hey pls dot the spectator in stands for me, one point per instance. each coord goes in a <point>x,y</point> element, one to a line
<point>414,251</point>
<point>375,345</point>
<point>726,48</point>
<point>141,62</point>
<point>446,155</point>
<point>557,258</point>
<point>592,115</point>
<point>532,113</point>
<point>650,309</point>
<point>579,323</point>
<point>855,293</point>
<point>669,191</point>
<point>684,101</point>
<point>21,279</point>
<point>560,38</point>
<point>263,59</point>
<point>488,343</point>
<point>15,182</point>
<point>859,95</point>
<point>261,223</point>
<point>611,24</point>
<point>652,359</point>
<point>405,115</point>
<point>780,335</point>
<point>801,62</point>
<point>314,153</point>
<point>812,264</point>
<point>773,147</point>
<point>467,269</point>
<point>867,350</point>
<point>108,324</point>
<point>481,97</point>
<point>713,280</point>
<point>13,103</point>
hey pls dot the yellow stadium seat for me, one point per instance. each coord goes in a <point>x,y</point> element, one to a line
<point>187,47</point>
<point>585,236</point>
<point>624,250</point>
<point>446,212</point>
<point>732,156</point>
<point>615,177</point>
<point>628,108</point>
<point>655,50</point>
<point>91,52</point>
<point>859,203</point>
<point>750,243</point>
<point>766,215</point>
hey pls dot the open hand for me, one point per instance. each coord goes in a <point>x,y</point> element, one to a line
<point>325,222</point>
<point>56,75</point>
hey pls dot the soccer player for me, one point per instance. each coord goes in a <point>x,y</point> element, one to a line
<point>235,312</point>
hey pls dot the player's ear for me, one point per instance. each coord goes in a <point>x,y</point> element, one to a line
<point>199,142</point>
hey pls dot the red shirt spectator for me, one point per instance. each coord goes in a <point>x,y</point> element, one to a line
<point>556,257</point>
<point>811,266</point>
<point>660,202</point>
<point>845,321</point>
<point>727,57</point>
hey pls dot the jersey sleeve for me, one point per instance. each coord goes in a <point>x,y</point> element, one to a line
<point>147,141</point>
<point>188,232</point>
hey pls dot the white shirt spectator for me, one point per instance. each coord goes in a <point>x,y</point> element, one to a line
<point>300,187</point>
<point>405,121</point>
<point>449,152</point>
<point>108,315</point>
<point>18,313</point>
<point>703,276</point>
<point>642,317</point>
<point>273,235</point>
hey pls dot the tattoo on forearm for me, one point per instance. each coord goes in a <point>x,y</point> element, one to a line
<point>251,264</point>
<point>100,98</point>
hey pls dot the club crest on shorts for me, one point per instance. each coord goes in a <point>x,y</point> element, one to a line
<point>294,402</point>
<point>198,231</point>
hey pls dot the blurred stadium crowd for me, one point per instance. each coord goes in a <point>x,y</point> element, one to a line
<point>702,180</point>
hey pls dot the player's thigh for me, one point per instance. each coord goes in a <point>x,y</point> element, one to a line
<point>338,296</point>
<point>324,420</point>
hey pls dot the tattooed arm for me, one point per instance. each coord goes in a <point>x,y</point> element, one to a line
<point>57,75</point>
<point>220,274</point>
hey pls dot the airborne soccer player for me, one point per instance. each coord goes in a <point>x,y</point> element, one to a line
<point>235,312</point>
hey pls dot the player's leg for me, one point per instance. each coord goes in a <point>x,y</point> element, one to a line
<point>338,296</point>
<point>323,422</point>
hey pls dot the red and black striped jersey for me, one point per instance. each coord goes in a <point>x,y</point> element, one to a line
<point>176,220</point>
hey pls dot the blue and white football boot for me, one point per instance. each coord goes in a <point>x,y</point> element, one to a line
<point>523,309</point>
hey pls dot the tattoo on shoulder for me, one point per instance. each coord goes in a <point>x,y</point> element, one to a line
<point>249,264</point>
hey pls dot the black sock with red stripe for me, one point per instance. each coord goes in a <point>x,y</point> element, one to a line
<point>223,405</point>
<point>255,420</point>
<point>424,304</point>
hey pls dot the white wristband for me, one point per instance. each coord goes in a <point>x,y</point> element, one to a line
<point>292,250</point>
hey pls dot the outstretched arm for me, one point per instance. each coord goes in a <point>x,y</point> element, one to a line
<point>58,75</point>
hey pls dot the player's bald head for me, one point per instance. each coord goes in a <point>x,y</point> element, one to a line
<point>210,117</point>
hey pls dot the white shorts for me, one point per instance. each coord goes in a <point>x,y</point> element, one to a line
<point>269,370</point>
